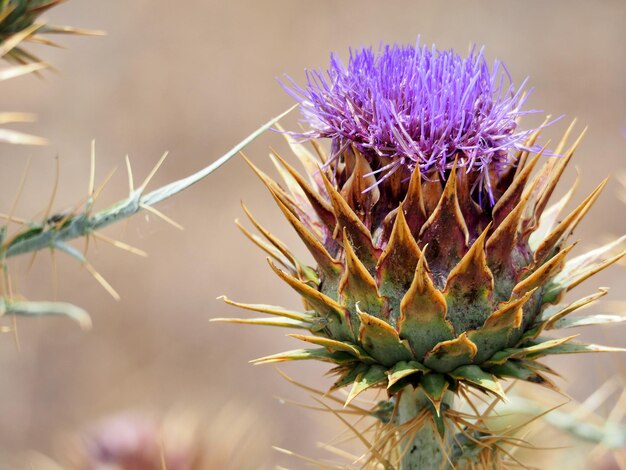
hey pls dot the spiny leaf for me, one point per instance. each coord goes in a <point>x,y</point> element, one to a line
<point>445,230</point>
<point>403,369</point>
<point>349,376</point>
<point>598,319</point>
<point>432,190</point>
<point>321,354</point>
<point>357,232</point>
<point>502,248</point>
<point>521,156</point>
<point>357,285</point>
<point>381,341</point>
<point>526,350</point>
<point>582,267</point>
<point>537,367</point>
<point>307,159</point>
<point>360,190</point>
<point>63,29</point>
<point>512,196</point>
<point>270,309</point>
<point>10,43</point>
<point>592,257</point>
<point>496,332</point>
<point>423,313</point>
<point>547,180</point>
<point>336,316</point>
<point>396,266</point>
<point>374,375</point>
<point>470,283</point>
<point>290,182</point>
<point>276,243</point>
<point>335,345</point>
<point>269,183</point>
<point>554,313</point>
<point>301,207</point>
<point>473,214</point>
<point>542,274</point>
<point>276,191</point>
<point>565,137</point>
<point>448,355</point>
<point>476,376</point>
<point>329,267</point>
<point>321,207</point>
<point>413,204</point>
<point>508,315</point>
<point>550,217</point>
<point>435,386</point>
<point>574,348</point>
<point>517,370</point>
<point>566,226</point>
<point>267,321</point>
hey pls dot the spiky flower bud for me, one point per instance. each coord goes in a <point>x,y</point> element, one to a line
<point>438,259</point>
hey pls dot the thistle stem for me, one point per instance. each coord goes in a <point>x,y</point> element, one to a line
<point>38,237</point>
<point>422,449</point>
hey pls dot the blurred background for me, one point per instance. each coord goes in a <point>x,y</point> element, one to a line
<point>194,78</point>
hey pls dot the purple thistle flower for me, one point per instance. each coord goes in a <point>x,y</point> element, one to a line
<point>413,106</point>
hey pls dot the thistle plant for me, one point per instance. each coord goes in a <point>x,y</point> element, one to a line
<point>439,265</point>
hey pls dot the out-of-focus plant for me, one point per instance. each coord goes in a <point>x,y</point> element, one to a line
<point>20,23</point>
<point>128,441</point>
<point>440,268</point>
<point>182,439</point>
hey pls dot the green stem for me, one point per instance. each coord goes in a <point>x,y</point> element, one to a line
<point>38,237</point>
<point>422,450</point>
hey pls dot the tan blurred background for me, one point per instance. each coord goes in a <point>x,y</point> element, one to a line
<point>194,78</point>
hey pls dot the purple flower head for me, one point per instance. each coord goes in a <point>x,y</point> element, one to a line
<point>411,106</point>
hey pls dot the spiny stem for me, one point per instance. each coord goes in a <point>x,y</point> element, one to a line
<point>37,237</point>
<point>423,448</point>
